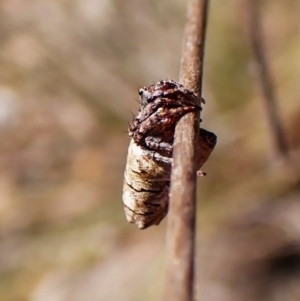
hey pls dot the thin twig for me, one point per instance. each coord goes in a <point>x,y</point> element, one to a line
<point>179,285</point>
<point>265,78</point>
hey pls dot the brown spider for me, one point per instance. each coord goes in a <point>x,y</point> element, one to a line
<point>149,161</point>
<point>162,105</point>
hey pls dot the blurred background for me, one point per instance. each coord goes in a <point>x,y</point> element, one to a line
<point>69,74</point>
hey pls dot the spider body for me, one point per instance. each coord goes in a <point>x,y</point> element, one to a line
<point>149,160</point>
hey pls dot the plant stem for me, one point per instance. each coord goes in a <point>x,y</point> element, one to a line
<point>264,78</point>
<point>181,232</point>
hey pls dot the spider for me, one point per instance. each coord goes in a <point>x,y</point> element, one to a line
<point>149,160</point>
<point>162,105</point>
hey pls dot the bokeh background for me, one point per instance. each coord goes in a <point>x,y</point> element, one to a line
<point>69,74</point>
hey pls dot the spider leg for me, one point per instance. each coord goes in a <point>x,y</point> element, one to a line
<point>159,158</point>
<point>156,143</point>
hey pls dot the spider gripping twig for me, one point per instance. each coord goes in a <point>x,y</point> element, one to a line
<point>149,160</point>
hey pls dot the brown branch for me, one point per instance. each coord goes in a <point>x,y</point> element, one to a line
<point>179,285</point>
<point>264,77</point>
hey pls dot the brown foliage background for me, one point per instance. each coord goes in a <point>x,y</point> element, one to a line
<point>69,75</point>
